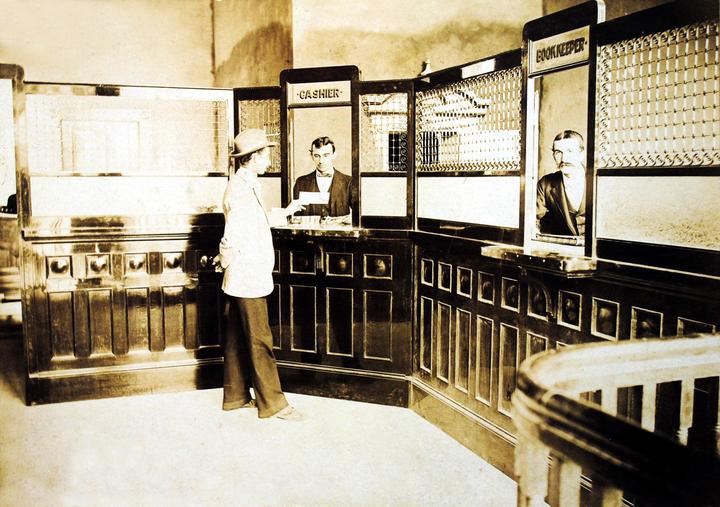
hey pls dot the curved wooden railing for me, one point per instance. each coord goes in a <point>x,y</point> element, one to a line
<point>574,451</point>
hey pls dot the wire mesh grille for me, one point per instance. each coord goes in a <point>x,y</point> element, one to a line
<point>263,114</point>
<point>383,132</point>
<point>658,100</point>
<point>125,135</point>
<point>471,125</point>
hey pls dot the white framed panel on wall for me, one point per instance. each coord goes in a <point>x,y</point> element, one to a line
<point>109,195</point>
<point>383,196</point>
<point>666,210</point>
<point>7,141</point>
<point>489,200</point>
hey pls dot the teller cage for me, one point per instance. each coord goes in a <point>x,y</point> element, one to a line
<point>444,277</point>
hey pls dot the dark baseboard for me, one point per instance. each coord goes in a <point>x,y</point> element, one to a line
<point>345,384</point>
<point>356,385</point>
<point>490,442</point>
<point>114,382</point>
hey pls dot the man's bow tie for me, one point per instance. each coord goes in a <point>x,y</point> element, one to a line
<point>324,175</point>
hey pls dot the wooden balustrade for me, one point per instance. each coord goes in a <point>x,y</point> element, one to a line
<point>572,451</point>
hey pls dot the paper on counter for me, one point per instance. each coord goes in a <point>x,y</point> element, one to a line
<point>314,197</point>
<point>277,217</point>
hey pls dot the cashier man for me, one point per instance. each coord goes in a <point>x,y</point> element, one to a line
<point>560,204</point>
<point>333,186</point>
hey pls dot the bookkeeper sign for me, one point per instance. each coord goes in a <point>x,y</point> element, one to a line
<point>329,92</point>
<point>560,50</point>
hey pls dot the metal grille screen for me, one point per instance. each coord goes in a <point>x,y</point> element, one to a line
<point>471,125</point>
<point>658,100</point>
<point>383,132</point>
<point>262,114</point>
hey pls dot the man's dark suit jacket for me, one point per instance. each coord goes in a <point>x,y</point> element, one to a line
<point>554,213</point>
<point>339,203</point>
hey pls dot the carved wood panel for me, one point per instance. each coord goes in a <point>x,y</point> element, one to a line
<point>96,307</point>
<point>377,324</point>
<point>347,303</point>
<point>517,312</point>
<point>339,321</point>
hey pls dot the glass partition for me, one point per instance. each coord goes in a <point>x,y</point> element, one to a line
<point>385,159</point>
<point>657,145</point>
<point>307,124</point>
<point>658,100</point>
<point>99,151</point>
<point>468,151</point>
<point>319,107</point>
<point>262,114</point>
<point>470,125</point>
<point>558,169</point>
<point>383,132</point>
<point>558,155</point>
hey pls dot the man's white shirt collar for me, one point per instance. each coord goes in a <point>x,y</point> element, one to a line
<point>324,181</point>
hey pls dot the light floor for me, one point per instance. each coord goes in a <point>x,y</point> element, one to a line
<point>181,449</point>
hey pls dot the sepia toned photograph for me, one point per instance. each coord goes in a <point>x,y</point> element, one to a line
<point>308,253</point>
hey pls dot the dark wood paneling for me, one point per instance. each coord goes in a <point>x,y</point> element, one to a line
<point>377,324</point>
<point>119,319</point>
<point>210,311</point>
<point>508,365</point>
<point>303,322</point>
<point>191,318</point>
<point>339,321</point>
<point>302,262</point>
<point>61,324</point>
<point>463,325</point>
<point>381,326</point>
<point>464,283</point>
<point>688,326</point>
<point>378,266</point>
<point>157,335</point>
<point>484,364</point>
<point>100,307</point>
<point>119,382</point>
<point>444,313</point>
<point>427,307</point>
<point>445,276</point>
<point>645,323</point>
<point>458,230</point>
<point>486,287</point>
<point>274,317</point>
<point>82,324</point>
<point>510,294</point>
<point>345,384</point>
<point>174,316</point>
<point>694,260</point>
<point>427,272</point>
<point>605,318</point>
<point>137,319</point>
<point>339,264</point>
<point>536,344</point>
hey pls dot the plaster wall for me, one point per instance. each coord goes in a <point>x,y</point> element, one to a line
<point>613,8</point>
<point>253,42</point>
<point>158,42</point>
<point>390,40</point>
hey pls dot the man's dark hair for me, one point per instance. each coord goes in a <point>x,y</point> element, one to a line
<point>322,141</point>
<point>244,159</point>
<point>571,134</point>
